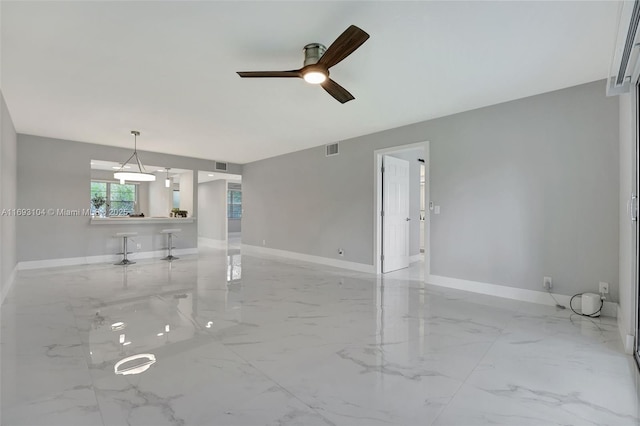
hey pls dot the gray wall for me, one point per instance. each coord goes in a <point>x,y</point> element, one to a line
<point>527,188</point>
<point>187,193</point>
<point>54,173</point>
<point>414,196</point>
<point>160,199</point>
<point>212,209</point>
<point>8,185</point>
<point>307,203</point>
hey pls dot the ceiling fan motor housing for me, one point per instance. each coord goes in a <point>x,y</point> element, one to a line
<point>313,52</point>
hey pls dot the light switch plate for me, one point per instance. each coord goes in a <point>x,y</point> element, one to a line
<point>436,210</point>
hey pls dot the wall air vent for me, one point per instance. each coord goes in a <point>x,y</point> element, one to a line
<point>331,149</point>
<point>221,166</point>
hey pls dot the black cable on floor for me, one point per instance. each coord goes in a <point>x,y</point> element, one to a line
<point>558,305</point>
<point>593,315</point>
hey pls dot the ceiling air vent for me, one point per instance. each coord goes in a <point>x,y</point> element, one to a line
<point>221,166</point>
<point>331,149</point>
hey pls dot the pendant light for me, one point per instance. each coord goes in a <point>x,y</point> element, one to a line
<point>167,181</point>
<point>141,175</point>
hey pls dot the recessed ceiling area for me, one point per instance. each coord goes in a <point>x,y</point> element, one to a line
<point>204,176</point>
<point>91,71</point>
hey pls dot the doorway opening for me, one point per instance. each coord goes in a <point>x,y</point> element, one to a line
<point>401,221</point>
<point>219,209</point>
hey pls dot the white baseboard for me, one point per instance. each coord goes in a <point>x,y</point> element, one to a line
<point>626,335</point>
<point>212,243</point>
<point>9,284</point>
<point>610,309</point>
<point>336,263</point>
<point>107,258</point>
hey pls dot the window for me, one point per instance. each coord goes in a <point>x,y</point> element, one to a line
<point>99,198</point>
<point>234,204</point>
<point>122,199</point>
<point>113,199</point>
<point>176,199</point>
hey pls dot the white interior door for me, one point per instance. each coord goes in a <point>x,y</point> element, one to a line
<point>395,214</point>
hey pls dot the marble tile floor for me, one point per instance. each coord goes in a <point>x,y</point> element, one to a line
<point>246,340</point>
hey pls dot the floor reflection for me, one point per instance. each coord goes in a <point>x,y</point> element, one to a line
<point>126,327</point>
<point>234,267</point>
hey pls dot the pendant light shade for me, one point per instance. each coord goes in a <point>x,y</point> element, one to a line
<point>141,175</point>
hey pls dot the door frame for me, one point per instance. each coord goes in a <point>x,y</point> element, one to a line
<point>377,219</point>
<point>635,187</point>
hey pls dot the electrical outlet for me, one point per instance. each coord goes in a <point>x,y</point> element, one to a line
<point>604,287</point>
<point>341,252</point>
<point>139,246</point>
<point>264,242</point>
<point>547,283</point>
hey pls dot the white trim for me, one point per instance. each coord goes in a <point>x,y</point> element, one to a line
<point>9,284</point>
<point>377,191</point>
<point>138,220</point>
<point>626,336</point>
<point>336,263</point>
<point>625,13</point>
<point>622,325</point>
<point>623,328</point>
<point>226,208</point>
<point>610,309</point>
<point>106,258</point>
<point>212,243</point>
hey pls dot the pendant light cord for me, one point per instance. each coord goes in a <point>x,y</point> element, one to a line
<point>141,168</point>
<point>135,152</point>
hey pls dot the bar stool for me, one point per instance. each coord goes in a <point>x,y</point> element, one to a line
<point>170,233</point>
<point>125,252</point>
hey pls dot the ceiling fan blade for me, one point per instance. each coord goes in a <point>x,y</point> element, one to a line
<point>334,89</point>
<point>266,74</point>
<point>345,45</point>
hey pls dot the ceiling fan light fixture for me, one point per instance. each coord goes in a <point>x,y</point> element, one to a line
<point>315,77</point>
<point>318,60</point>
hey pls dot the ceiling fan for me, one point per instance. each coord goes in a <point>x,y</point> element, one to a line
<point>317,61</point>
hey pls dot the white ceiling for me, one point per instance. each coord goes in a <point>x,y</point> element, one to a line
<point>93,71</point>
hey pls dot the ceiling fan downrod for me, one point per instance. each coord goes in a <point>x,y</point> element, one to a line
<point>313,52</point>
